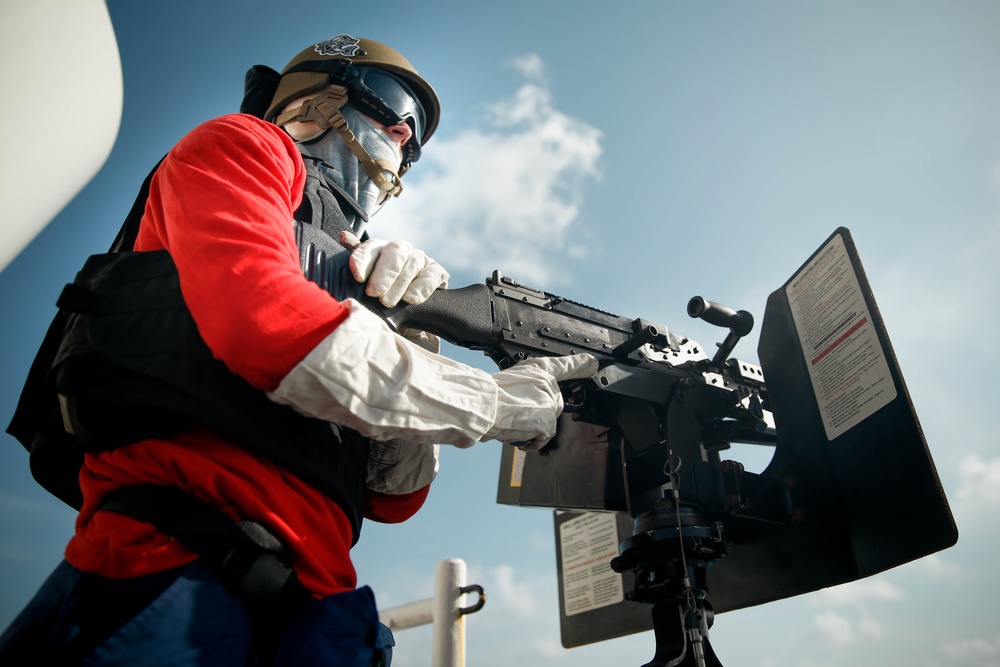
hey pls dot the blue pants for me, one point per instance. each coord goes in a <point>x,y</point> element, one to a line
<point>186,618</point>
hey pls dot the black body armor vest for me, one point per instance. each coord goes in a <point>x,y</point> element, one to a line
<point>123,361</point>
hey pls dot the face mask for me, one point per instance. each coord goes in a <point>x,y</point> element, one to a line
<point>341,166</point>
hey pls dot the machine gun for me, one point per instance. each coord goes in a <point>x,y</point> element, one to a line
<point>850,491</point>
<point>668,408</point>
<point>659,390</point>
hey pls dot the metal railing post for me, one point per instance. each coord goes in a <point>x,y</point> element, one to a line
<point>444,610</point>
<point>448,649</point>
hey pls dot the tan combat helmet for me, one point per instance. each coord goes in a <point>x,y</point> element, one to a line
<point>375,78</point>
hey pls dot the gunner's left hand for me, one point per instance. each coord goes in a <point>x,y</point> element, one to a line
<point>394,270</point>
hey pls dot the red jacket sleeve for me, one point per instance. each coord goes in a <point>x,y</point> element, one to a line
<point>221,204</point>
<point>386,508</point>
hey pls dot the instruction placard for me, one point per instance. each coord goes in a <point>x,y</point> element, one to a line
<point>588,543</point>
<point>847,365</point>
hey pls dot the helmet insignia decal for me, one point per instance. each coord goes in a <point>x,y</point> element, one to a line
<point>341,45</point>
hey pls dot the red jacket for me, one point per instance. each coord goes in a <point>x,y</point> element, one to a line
<point>221,204</point>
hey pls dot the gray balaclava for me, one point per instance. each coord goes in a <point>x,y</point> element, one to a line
<point>341,166</point>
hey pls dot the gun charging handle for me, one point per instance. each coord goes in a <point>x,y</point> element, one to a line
<point>739,323</point>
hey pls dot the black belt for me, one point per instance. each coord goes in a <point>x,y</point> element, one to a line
<point>260,575</point>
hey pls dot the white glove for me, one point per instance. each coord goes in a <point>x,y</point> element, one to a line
<point>398,469</point>
<point>529,400</point>
<point>394,270</point>
<point>366,377</point>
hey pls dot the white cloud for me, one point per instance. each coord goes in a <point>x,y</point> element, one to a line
<point>980,479</point>
<point>510,593</point>
<point>984,652</point>
<point>520,620</point>
<point>857,593</point>
<point>835,628</point>
<point>859,622</point>
<point>503,194</point>
<point>530,66</point>
<point>843,630</point>
<point>936,567</point>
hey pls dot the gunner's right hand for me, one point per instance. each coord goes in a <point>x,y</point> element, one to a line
<point>529,400</point>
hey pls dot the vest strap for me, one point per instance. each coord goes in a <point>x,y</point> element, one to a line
<point>258,575</point>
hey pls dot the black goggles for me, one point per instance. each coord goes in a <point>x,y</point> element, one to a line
<point>387,99</point>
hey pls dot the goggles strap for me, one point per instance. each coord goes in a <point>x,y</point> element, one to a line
<point>325,111</point>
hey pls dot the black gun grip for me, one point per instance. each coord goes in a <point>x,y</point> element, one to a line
<point>462,316</point>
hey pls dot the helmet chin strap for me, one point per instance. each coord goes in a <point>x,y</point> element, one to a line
<point>324,110</point>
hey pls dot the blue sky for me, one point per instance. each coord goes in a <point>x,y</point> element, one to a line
<point>628,157</point>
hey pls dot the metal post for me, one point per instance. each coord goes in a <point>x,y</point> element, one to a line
<point>444,610</point>
<point>449,625</point>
